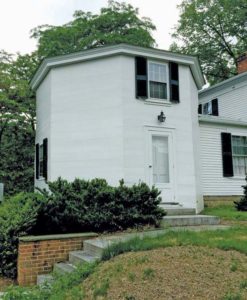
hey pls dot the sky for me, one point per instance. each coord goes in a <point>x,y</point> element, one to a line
<point>18,17</point>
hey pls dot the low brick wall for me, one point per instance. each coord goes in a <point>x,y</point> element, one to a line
<point>38,254</point>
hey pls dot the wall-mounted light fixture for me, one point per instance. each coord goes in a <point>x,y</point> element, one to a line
<point>161,117</point>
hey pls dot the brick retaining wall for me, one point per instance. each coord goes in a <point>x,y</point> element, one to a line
<point>38,254</point>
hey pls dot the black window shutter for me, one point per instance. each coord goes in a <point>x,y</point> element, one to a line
<point>200,109</point>
<point>37,161</point>
<point>45,158</point>
<point>226,142</point>
<point>141,78</point>
<point>215,109</point>
<point>174,82</point>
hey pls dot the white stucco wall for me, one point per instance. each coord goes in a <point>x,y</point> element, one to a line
<point>214,184</point>
<point>98,128</point>
<point>43,115</point>
<point>139,116</point>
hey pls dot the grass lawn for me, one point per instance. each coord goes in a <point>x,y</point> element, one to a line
<point>184,272</point>
<point>213,264</point>
<point>228,214</point>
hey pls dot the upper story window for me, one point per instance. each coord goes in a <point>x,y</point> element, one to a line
<point>209,108</point>
<point>158,79</point>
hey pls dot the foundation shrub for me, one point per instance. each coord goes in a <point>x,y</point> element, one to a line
<point>96,206</point>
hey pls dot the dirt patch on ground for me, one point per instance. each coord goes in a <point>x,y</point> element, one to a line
<point>170,273</point>
<point>4,283</point>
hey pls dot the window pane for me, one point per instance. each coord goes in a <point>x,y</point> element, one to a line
<point>160,159</point>
<point>158,90</point>
<point>239,152</point>
<point>207,108</point>
<point>157,72</point>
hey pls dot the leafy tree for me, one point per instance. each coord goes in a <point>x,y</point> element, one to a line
<point>116,23</point>
<point>216,31</point>
<point>17,122</point>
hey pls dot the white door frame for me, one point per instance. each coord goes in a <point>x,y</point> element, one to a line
<point>165,187</point>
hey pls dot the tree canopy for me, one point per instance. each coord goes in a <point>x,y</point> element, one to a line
<point>216,31</point>
<point>17,122</point>
<point>116,23</point>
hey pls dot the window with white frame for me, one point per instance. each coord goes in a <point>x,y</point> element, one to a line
<point>239,155</point>
<point>158,79</point>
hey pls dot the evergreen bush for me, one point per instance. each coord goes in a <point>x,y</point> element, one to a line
<point>17,218</point>
<point>241,205</point>
<point>70,207</point>
<point>96,206</point>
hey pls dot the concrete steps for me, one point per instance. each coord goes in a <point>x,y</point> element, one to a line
<point>176,209</point>
<point>190,220</point>
<point>64,267</point>
<point>93,248</point>
<point>78,257</point>
<point>43,280</point>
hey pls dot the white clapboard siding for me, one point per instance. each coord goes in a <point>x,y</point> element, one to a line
<point>232,100</point>
<point>211,161</point>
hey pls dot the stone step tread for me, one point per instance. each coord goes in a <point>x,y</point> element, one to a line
<point>179,211</point>
<point>190,217</point>
<point>64,267</point>
<point>44,279</point>
<point>81,256</point>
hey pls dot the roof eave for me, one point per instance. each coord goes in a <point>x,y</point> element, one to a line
<point>101,52</point>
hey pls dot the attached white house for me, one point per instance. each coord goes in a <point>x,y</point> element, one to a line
<point>121,112</point>
<point>223,135</point>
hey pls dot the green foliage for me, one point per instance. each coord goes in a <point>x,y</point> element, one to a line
<point>215,31</point>
<point>17,218</point>
<point>242,204</point>
<point>226,212</point>
<point>116,23</point>
<point>64,287</point>
<point>96,206</point>
<point>231,296</point>
<point>69,286</point>
<point>230,239</point>
<point>148,273</point>
<point>101,291</point>
<point>17,122</point>
<point>73,207</point>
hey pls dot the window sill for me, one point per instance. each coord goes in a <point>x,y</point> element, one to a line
<point>237,177</point>
<point>151,101</point>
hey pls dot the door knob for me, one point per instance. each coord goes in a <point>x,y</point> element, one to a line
<point>150,166</point>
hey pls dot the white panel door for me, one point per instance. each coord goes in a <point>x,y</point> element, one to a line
<point>161,166</point>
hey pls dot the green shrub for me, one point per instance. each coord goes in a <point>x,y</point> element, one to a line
<point>96,206</point>
<point>73,207</point>
<point>242,203</point>
<point>17,217</point>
